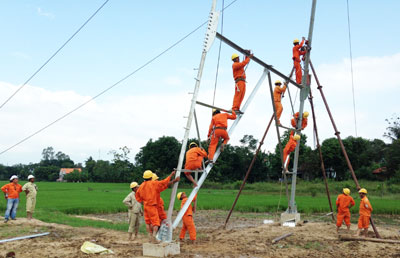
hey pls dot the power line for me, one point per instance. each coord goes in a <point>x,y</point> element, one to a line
<point>351,67</point>
<point>52,56</point>
<point>110,87</point>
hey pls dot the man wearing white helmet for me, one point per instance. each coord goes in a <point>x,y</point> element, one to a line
<point>134,212</point>
<point>30,189</point>
<point>11,193</point>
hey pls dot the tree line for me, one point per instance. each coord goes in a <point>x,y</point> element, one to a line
<point>161,156</point>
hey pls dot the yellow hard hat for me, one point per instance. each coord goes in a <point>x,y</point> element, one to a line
<point>306,114</point>
<point>234,56</point>
<point>133,185</point>
<point>363,190</point>
<point>346,191</point>
<point>296,41</point>
<point>179,195</point>
<point>277,82</point>
<point>192,144</point>
<point>147,174</point>
<point>296,137</point>
<point>154,177</point>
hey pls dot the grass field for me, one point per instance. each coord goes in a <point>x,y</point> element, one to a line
<point>58,201</point>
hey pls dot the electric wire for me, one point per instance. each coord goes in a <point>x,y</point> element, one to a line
<point>351,68</point>
<point>219,50</point>
<point>110,87</point>
<point>55,53</point>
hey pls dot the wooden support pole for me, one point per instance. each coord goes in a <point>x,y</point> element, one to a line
<point>281,237</point>
<point>377,240</point>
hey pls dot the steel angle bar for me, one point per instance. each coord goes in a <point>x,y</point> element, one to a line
<point>211,106</point>
<point>257,60</point>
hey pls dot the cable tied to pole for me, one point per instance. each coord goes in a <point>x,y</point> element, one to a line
<point>219,50</point>
<point>351,68</point>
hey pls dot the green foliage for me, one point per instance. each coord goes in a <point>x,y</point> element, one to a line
<point>393,130</point>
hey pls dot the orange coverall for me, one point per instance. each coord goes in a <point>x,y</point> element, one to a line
<point>365,213</point>
<point>217,130</point>
<point>149,193</point>
<point>342,203</point>
<point>160,208</point>
<point>296,60</point>
<point>304,121</point>
<point>12,190</point>
<point>278,91</point>
<point>188,223</point>
<point>194,158</point>
<point>240,82</point>
<point>290,146</point>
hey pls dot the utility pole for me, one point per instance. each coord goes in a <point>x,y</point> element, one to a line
<point>291,213</point>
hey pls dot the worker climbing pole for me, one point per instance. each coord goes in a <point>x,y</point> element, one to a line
<point>165,232</point>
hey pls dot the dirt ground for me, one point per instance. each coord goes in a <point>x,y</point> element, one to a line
<point>246,236</point>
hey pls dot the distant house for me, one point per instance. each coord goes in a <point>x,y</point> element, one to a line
<point>381,173</point>
<point>64,171</point>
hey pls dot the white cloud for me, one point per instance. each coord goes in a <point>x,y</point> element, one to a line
<point>20,55</point>
<point>111,122</point>
<point>173,81</point>
<point>43,13</point>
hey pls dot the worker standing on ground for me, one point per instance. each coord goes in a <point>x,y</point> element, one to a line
<point>365,213</point>
<point>148,194</point>
<point>239,76</point>
<point>160,202</point>
<point>278,92</point>
<point>343,203</point>
<point>11,193</point>
<point>134,211</point>
<point>188,222</point>
<point>217,130</point>
<point>297,52</point>
<point>290,147</point>
<point>194,160</point>
<point>30,189</point>
<point>304,121</point>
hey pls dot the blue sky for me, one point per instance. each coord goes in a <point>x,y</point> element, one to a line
<point>125,34</point>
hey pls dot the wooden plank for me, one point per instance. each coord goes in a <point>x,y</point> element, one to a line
<point>377,240</point>
<point>281,237</point>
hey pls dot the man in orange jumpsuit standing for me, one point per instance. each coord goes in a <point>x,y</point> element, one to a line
<point>304,121</point>
<point>365,213</point>
<point>278,91</point>
<point>194,160</point>
<point>217,130</point>
<point>343,203</point>
<point>160,203</point>
<point>290,147</point>
<point>296,58</point>
<point>188,223</point>
<point>149,193</point>
<point>11,193</point>
<point>239,76</point>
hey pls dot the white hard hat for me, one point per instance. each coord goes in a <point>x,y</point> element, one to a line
<point>13,177</point>
<point>30,176</point>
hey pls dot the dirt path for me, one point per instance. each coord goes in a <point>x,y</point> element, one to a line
<point>246,237</point>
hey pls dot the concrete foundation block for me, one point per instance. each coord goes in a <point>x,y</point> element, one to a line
<point>161,249</point>
<point>289,217</point>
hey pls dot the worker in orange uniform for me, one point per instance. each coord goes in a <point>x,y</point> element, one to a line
<point>297,52</point>
<point>343,203</point>
<point>278,92</point>
<point>11,193</point>
<point>217,130</point>
<point>239,76</point>
<point>188,223</point>
<point>149,194</point>
<point>194,160</point>
<point>160,202</point>
<point>290,147</point>
<point>365,213</point>
<point>304,121</point>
